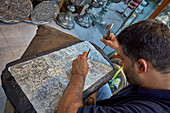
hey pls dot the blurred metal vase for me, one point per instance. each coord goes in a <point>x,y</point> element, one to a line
<point>85,20</point>
<point>65,19</point>
<point>99,18</point>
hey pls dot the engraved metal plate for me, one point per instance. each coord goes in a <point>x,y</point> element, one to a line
<point>12,11</point>
<point>44,12</point>
<point>44,79</point>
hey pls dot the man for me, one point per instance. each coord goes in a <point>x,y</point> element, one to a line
<point>144,49</point>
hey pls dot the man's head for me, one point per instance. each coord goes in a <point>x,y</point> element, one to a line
<point>148,41</point>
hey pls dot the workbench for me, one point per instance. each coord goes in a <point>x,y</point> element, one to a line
<point>48,38</point>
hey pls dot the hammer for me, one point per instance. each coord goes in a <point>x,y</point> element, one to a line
<point>108,29</point>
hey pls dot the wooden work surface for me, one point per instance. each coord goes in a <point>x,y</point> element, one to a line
<point>45,39</point>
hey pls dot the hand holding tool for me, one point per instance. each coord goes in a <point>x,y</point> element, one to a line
<point>108,29</point>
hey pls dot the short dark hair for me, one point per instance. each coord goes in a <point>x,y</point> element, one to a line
<point>150,40</point>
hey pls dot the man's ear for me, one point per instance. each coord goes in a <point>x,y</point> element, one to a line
<point>142,66</point>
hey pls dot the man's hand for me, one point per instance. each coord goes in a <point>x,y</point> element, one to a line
<point>80,65</point>
<point>112,42</point>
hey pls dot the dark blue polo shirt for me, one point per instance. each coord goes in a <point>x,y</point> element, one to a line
<point>133,99</point>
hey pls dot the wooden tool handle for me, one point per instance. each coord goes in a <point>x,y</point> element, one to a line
<point>108,35</point>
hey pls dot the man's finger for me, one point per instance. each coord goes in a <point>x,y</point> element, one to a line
<point>104,36</point>
<point>106,41</point>
<point>84,54</point>
<point>78,55</point>
<point>103,40</point>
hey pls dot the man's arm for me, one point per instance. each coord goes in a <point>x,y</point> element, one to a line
<point>72,100</point>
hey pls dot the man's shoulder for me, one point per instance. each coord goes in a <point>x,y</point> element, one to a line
<point>133,99</point>
<point>141,99</point>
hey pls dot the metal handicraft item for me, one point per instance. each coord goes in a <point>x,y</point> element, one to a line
<point>65,19</point>
<point>12,11</point>
<point>44,12</point>
<point>132,4</point>
<point>85,20</point>
<point>99,18</point>
<point>43,79</point>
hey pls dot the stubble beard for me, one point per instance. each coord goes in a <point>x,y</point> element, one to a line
<point>131,76</point>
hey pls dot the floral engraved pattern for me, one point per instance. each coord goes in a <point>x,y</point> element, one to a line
<point>44,79</point>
